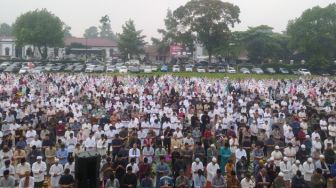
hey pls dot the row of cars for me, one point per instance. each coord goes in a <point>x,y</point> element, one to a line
<point>98,67</point>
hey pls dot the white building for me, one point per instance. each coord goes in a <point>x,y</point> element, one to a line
<point>9,49</point>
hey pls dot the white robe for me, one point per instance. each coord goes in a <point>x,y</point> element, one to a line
<point>55,170</point>
<point>211,171</point>
<point>308,170</point>
<point>36,168</point>
<point>286,169</point>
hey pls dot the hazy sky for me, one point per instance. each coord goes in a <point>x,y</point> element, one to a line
<point>149,14</point>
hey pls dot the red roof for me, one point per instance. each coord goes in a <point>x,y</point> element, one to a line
<point>92,42</point>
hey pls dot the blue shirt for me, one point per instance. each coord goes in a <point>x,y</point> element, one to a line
<point>62,155</point>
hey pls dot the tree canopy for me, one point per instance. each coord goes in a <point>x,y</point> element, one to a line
<point>314,34</point>
<point>39,28</point>
<point>131,41</point>
<point>91,32</point>
<point>105,28</point>
<point>5,30</point>
<point>209,20</point>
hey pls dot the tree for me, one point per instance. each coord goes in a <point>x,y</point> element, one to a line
<point>39,28</point>
<point>5,30</point>
<point>91,32</point>
<point>105,28</point>
<point>210,20</point>
<point>66,31</point>
<point>131,41</point>
<point>261,43</point>
<point>313,34</point>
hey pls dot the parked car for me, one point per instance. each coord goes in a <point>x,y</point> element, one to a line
<point>148,69</point>
<point>23,70</point>
<point>154,68</point>
<point>99,68</point>
<point>123,69</point>
<point>37,70</point>
<point>304,72</point>
<point>188,68</point>
<point>221,69</point>
<point>134,69</point>
<point>78,68</point>
<point>283,70</point>
<point>164,68</point>
<point>89,69</point>
<point>200,69</point>
<point>110,68</point>
<point>270,70</point>
<point>231,70</point>
<point>212,69</point>
<point>176,68</point>
<point>245,70</point>
<point>257,71</point>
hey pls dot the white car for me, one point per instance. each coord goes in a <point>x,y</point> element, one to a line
<point>148,69</point>
<point>201,69</point>
<point>188,68</point>
<point>110,68</point>
<point>221,69</point>
<point>89,69</point>
<point>176,68</point>
<point>212,69</point>
<point>154,68</point>
<point>123,69</point>
<point>245,70</point>
<point>23,70</point>
<point>257,71</point>
<point>304,72</point>
<point>231,70</point>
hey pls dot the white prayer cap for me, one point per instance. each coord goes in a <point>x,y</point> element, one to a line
<point>39,157</point>
<point>214,159</point>
<point>277,147</point>
<point>297,162</point>
<point>285,159</point>
<point>322,156</point>
<point>280,174</point>
<point>56,159</point>
<point>310,159</point>
<point>303,146</point>
<point>197,160</point>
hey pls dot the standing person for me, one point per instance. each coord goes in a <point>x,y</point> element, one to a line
<point>39,170</point>
<point>247,182</point>
<point>66,180</point>
<point>262,179</point>
<point>279,181</point>
<point>211,169</point>
<point>298,181</point>
<point>199,180</point>
<point>308,168</point>
<point>71,166</point>
<point>112,182</point>
<point>55,173</point>
<point>218,181</point>
<point>27,181</point>
<point>134,152</point>
<point>317,179</point>
<point>225,154</point>
<point>161,169</point>
<point>62,154</point>
<point>195,167</point>
<point>211,152</point>
<point>286,169</point>
<point>7,180</point>
<point>129,179</point>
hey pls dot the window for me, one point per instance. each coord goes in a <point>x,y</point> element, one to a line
<point>7,51</point>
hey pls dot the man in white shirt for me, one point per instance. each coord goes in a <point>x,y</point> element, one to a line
<point>55,173</point>
<point>22,168</point>
<point>308,169</point>
<point>240,152</point>
<point>90,143</point>
<point>195,166</point>
<point>286,169</point>
<point>134,153</point>
<point>30,135</point>
<point>39,170</point>
<point>277,156</point>
<point>290,152</point>
<point>211,169</point>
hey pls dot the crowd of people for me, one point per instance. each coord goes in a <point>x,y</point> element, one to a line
<point>168,131</point>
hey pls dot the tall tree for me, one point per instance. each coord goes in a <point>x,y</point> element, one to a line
<point>5,30</point>
<point>66,31</point>
<point>209,19</point>
<point>131,41</point>
<point>105,28</point>
<point>261,44</point>
<point>40,28</point>
<point>314,35</point>
<point>91,32</point>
